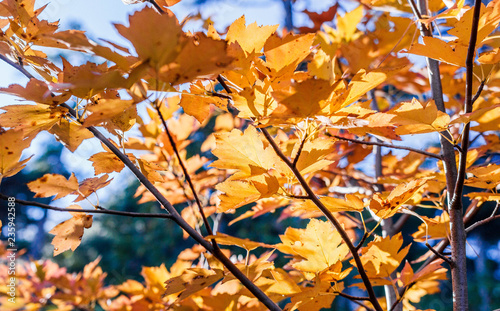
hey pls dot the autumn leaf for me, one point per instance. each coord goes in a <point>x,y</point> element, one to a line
<point>246,244</point>
<point>318,246</point>
<point>417,118</point>
<point>91,185</point>
<point>32,119</point>
<point>251,38</point>
<point>433,228</point>
<point>237,193</point>
<point>12,144</point>
<point>36,91</point>
<point>448,52</point>
<point>383,255</point>
<point>70,134</point>
<point>106,162</point>
<point>388,207</point>
<point>69,233</point>
<point>244,152</point>
<point>191,281</point>
<point>53,184</point>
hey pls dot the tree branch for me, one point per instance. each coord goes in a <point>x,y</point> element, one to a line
<point>90,211</point>
<point>257,292</point>
<point>186,174</point>
<point>381,144</point>
<point>330,217</point>
<point>486,220</point>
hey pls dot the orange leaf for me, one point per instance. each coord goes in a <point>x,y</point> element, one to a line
<point>251,38</point>
<point>53,184</point>
<point>69,233</point>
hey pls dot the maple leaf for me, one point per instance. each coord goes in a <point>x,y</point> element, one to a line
<point>91,185</point>
<point>12,144</point>
<point>70,134</point>
<point>251,38</point>
<point>319,18</point>
<point>36,91</point>
<point>53,184</point>
<point>319,246</point>
<point>417,118</point>
<point>69,233</point>
<point>106,162</point>
<point>388,207</point>
<point>225,239</point>
<point>32,119</point>
<point>191,281</point>
<point>237,193</point>
<point>436,228</point>
<point>448,52</point>
<point>383,255</point>
<point>243,151</point>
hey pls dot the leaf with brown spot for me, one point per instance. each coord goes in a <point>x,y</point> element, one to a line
<point>70,134</point>
<point>69,233</point>
<point>91,185</point>
<point>53,184</point>
<point>12,144</point>
<point>106,162</point>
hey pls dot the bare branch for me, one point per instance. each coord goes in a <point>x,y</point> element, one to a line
<point>100,210</point>
<point>381,144</point>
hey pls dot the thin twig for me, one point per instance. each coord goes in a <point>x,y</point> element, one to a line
<point>186,173</point>
<point>350,297</point>
<point>329,216</point>
<point>363,239</point>
<point>99,210</point>
<point>19,67</point>
<point>302,143</point>
<point>438,254</point>
<point>484,221</point>
<point>157,6</point>
<point>358,302</point>
<point>378,143</point>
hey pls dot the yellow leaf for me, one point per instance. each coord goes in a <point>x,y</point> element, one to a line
<point>91,185</point>
<point>191,281</point>
<point>104,110</point>
<point>156,47</point>
<point>106,162</point>
<point>388,207</point>
<point>383,255</point>
<point>448,52</point>
<point>417,118</point>
<point>53,184</point>
<point>12,144</point>
<point>69,233</point>
<point>70,134</point>
<point>236,193</point>
<point>319,246</point>
<point>32,119</point>
<point>288,51</point>
<point>312,156</point>
<point>437,228</point>
<point>225,239</point>
<point>251,38</point>
<point>244,152</point>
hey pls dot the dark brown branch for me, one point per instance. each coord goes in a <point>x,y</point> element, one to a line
<point>220,79</point>
<point>363,239</point>
<point>330,217</point>
<point>302,143</point>
<point>358,302</point>
<point>381,144</point>
<point>17,66</point>
<point>99,209</point>
<point>186,173</point>
<point>156,6</point>
<point>486,220</point>
<point>350,297</point>
<point>438,254</point>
